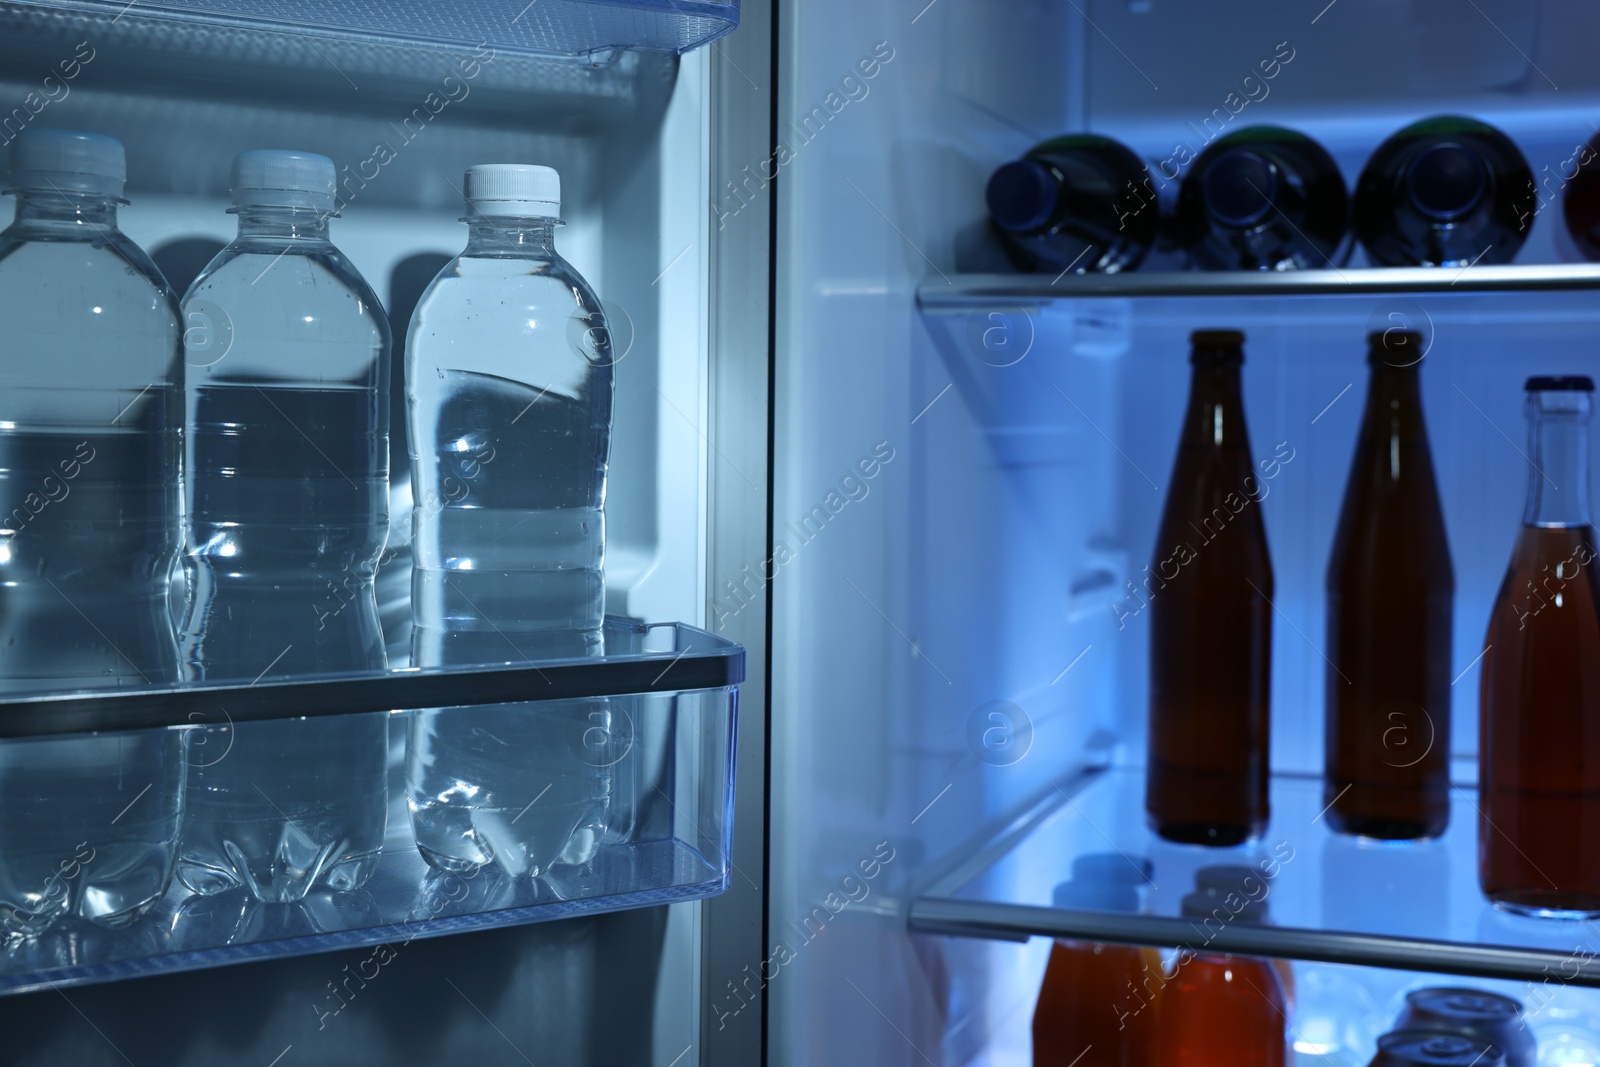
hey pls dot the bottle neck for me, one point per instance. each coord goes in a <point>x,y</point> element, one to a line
<point>283,224</point>
<point>520,237</point>
<point>74,214</point>
<point>1558,450</point>
<point>1216,409</point>
<point>1394,404</point>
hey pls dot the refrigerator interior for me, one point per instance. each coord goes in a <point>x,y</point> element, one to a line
<point>954,639</point>
<point>402,119</point>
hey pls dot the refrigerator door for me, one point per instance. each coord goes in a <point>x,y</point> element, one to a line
<point>640,138</point>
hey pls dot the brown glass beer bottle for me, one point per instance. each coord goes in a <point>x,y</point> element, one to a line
<point>1390,593</point>
<point>1211,620</point>
<point>1539,741</point>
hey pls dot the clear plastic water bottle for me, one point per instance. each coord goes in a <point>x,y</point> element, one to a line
<point>508,385</point>
<point>288,424</point>
<point>90,419</point>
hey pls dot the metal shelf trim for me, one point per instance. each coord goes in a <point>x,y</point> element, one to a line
<point>1018,922</point>
<point>961,291</point>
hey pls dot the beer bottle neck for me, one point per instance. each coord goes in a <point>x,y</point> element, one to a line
<point>1394,407</point>
<point>1216,410</point>
<point>1558,453</point>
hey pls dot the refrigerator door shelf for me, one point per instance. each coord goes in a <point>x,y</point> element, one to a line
<point>962,290</point>
<point>594,30</point>
<point>1329,898</point>
<point>664,743</point>
<point>641,658</point>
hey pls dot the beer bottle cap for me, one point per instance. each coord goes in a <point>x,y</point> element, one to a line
<point>1446,181</point>
<point>1395,348</point>
<point>1022,195</point>
<point>1216,348</point>
<point>1240,187</point>
<point>1560,383</point>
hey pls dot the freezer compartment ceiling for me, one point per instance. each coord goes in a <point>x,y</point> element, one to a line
<point>593,30</point>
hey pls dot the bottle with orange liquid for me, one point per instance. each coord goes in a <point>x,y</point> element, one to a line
<point>1097,1005</point>
<point>1539,747</point>
<point>1221,1010</point>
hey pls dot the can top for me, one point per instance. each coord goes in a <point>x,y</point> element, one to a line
<point>1403,1047</point>
<point>1463,1005</point>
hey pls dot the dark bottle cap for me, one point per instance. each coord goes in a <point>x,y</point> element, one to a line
<point>1230,876</point>
<point>1216,348</point>
<point>1022,195</point>
<point>1215,904</point>
<point>1446,180</point>
<point>1394,348</point>
<point>1096,895</point>
<point>1227,893</point>
<point>1240,187</point>
<point>1112,867</point>
<point>1404,1047</point>
<point>1559,383</point>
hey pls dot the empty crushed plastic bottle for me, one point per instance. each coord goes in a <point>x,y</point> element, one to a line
<point>288,416</point>
<point>90,409</point>
<point>508,385</point>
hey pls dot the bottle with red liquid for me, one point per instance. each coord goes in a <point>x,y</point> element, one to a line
<point>1539,748</point>
<point>1217,1009</point>
<point>1390,593</point>
<point>1210,588</point>
<point>1098,1002</point>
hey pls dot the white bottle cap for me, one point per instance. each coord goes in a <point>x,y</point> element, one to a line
<point>515,190</point>
<point>264,177</point>
<point>67,161</point>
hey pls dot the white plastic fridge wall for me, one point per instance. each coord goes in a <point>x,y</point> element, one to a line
<point>980,562</point>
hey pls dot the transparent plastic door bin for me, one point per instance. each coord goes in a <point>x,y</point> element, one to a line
<point>630,754</point>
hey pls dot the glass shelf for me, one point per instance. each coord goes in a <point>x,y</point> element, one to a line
<point>595,30</point>
<point>1333,899</point>
<point>961,291</point>
<point>670,696</point>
